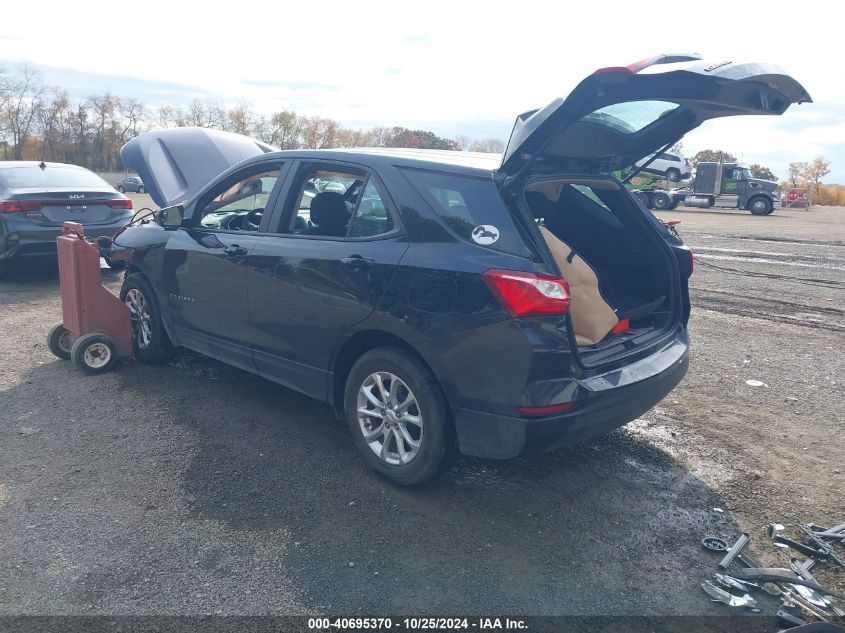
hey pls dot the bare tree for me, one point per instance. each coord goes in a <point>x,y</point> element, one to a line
<point>20,105</point>
<point>286,130</point>
<point>797,173</point>
<point>319,133</point>
<point>489,145</point>
<point>241,118</point>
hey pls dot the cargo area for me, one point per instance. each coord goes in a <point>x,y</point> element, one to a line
<point>622,277</point>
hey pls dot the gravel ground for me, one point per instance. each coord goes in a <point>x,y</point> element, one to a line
<point>195,488</point>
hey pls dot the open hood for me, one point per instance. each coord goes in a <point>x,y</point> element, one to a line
<point>619,115</point>
<point>176,164</point>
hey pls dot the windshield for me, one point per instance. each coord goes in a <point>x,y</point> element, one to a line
<point>631,116</point>
<point>49,177</point>
<point>746,172</point>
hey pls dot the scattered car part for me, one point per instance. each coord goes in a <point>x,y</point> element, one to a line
<point>786,576</point>
<point>803,568</point>
<point>805,605</point>
<point>771,588</point>
<point>790,619</point>
<point>715,544</point>
<point>815,538</point>
<point>834,532</point>
<point>729,582</point>
<point>817,627</point>
<point>741,542</point>
<point>783,541</point>
<point>720,595</point>
<point>811,596</point>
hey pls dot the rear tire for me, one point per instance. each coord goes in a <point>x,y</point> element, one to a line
<point>407,444</point>
<point>94,353</point>
<point>661,201</point>
<point>150,342</point>
<point>60,341</point>
<point>760,206</point>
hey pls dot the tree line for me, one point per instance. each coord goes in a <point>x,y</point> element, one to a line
<point>39,122</point>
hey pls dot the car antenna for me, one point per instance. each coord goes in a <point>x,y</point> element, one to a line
<point>42,165</point>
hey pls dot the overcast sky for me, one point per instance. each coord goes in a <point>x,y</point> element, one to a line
<point>451,67</point>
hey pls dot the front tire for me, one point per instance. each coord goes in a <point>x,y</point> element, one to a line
<point>673,175</point>
<point>94,353</point>
<point>149,338</point>
<point>141,189</point>
<point>398,416</point>
<point>121,189</point>
<point>760,206</point>
<point>60,341</point>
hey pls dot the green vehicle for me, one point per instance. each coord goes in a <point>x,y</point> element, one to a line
<point>731,185</point>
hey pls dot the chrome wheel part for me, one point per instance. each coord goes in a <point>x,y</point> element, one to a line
<point>759,206</point>
<point>390,418</point>
<point>141,320</point>
<point>97,355</point>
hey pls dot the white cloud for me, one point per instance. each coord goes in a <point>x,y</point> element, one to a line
<point>436,63</point>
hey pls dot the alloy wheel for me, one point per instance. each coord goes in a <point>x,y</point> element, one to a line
<point>141,319</point>
<point>390,418</point>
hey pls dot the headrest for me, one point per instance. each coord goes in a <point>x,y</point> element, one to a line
<point>329,209</point>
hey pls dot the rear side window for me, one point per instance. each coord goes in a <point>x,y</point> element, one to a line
<point>34,176</point>
<point>471,207</point>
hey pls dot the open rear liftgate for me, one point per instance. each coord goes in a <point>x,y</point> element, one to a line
<point>96,327</point>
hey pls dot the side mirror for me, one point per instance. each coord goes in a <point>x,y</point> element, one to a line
<point>170,217</point>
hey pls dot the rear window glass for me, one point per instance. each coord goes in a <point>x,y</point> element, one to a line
<point>34,176</point>
<point>631,116</point>
<point>471,207</point>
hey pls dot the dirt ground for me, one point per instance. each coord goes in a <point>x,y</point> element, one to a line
<point>195,488</point>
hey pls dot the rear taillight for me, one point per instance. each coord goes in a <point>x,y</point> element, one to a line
<point>528,294</point>
<point>18,206</point>
<point>120,203</point>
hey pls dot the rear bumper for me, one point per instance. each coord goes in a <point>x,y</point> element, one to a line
<point>24,239</point>
<point>605,402</point>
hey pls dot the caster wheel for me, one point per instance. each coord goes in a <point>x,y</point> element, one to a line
<point>94,353</point>
<point>60,341</point>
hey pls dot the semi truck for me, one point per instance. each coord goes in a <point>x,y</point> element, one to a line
<point>731,185</point>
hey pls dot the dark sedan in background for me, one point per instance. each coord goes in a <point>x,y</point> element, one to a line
<point>37,197</point>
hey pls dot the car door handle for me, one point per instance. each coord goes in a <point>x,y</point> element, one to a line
<point>234,250</point>
<point>356,262</point>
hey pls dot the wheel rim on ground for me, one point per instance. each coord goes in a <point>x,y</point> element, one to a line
<point>97,355</point>
<point>141,320</point>
<point>65,341</point>
<point>759,206</point>
<point>390,418</point>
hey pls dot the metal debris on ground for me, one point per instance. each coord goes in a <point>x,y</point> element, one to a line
<point>800,597</point>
